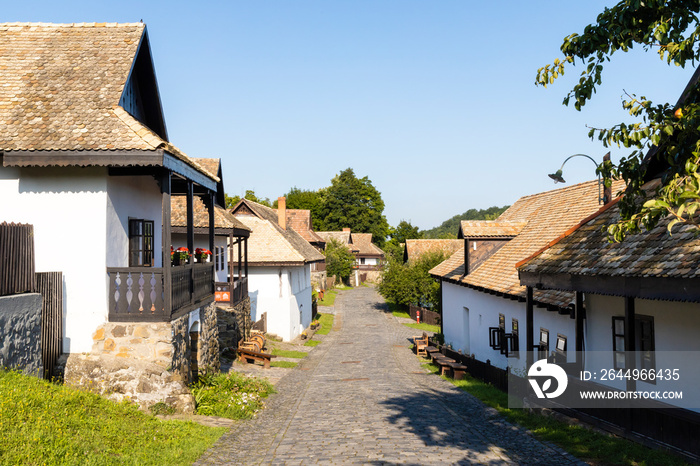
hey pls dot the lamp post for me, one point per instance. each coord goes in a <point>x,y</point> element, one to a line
<point>557,176</point>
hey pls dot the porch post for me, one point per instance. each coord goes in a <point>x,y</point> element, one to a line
<point>166,240</point>
<point>190,218</point>
<point>580,315</point>
<point>240,258</point>
<point>529,323</point>
<point>630,339</point>
<point>245,247</point>
<point>211,220</point>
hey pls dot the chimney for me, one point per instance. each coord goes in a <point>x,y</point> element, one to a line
<point>282,212</point>
<point>346,230</point>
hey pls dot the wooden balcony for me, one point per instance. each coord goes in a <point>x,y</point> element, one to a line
<point>239,293</point>
<point>138,294</point>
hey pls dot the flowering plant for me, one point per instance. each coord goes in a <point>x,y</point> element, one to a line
<point>202,254</point>
<point>179,255</point>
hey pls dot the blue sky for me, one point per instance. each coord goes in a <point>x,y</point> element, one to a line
<point>434,101</point>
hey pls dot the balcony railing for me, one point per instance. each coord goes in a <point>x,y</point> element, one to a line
<point>137,294</point>
<point>239,293</point>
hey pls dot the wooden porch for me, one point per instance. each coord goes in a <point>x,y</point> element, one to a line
<point>139,294</point>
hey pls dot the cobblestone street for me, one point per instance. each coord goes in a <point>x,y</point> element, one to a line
<point>362,397</point>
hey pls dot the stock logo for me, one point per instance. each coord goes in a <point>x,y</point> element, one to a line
<point>545,372</point>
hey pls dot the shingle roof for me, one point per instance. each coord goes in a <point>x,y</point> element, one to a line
<point>269,234</point>
<point>362,242</point>
<point>222,219</point>
<point>655,253</point>
<point>548,215</point>
<point>342,236</point>
<point>418,247</point>
<point>490,228</point>
<point>60,87</point>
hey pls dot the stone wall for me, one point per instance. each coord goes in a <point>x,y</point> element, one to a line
<point>318,280</point>
<point>234,324</point>
<point>120,378</point>
<point>208,350</point>
<point>20,332</point>
<point>148,362</point>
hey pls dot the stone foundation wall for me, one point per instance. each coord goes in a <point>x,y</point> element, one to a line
<point>119,378</point>
<point>209,338</point>
<point>20,333</point>
<point>149,362</point>
<point>234,324</point>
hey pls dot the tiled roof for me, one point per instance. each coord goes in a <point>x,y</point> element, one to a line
<point>60,87</point>
<point>222,219</point>
<point>490,228</point>
<point>267,244</point>
<point>299,220</point>
<point>270,233</point>
<point>587,252</point>
<point>210,165</point>
<point>418,247</point>
<point>362,242</point>
<point>342,236</point>
<point>548,215</point>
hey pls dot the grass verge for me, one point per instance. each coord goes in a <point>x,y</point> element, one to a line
<point>285,364</point>
<point>425,327</point>
<point>326,321</point>
<point>398,311</point>
<point>312,343</point>
<point>586,444</point>
<point>44,423</point>
<point>233,395</point>
<point>289,354</point>
<point>328,298</point>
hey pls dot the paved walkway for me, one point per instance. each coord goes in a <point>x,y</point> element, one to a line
<point>362,397</point>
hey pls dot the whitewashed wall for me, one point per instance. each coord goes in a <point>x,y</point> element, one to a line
<point>135,197</point>
<point>468,314</point>
<point>676,327</point>
<point>68,210</point>
<point>285,294</point>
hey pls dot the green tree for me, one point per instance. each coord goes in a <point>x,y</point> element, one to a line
<point>410,283</point>
<point>672,29</point>
<point>403,231</point>
<point>250,195</point>
<point>354,203</point>
<point>448,229</point>
<point>310,200</point>
<point>339,260</point>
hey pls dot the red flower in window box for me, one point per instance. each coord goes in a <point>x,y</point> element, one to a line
<point>202,255</point>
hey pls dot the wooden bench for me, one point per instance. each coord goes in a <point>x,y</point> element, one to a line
<point>444,363</point>
<point>248,355</point>
<point>421,343</point>
<point>457,370</point>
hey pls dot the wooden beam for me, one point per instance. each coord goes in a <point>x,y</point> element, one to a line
<point>165,186</point>
<point>190,219</point>
<point>630,341</point>
<point>529,324</point>
<point>210,201</point>
<point>580,315</point>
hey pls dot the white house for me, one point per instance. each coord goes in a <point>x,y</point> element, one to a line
<point>85,158</point>
<point>279,273</point>
<point>484,306</point>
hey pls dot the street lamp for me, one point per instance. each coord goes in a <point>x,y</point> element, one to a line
<point>557,176</point>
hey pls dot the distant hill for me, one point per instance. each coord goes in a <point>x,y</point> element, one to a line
<point>449,228</point>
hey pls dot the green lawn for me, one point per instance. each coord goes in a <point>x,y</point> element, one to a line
<point>44,423</point>
<point>312,343</point>
<point>285,364</point>
<point>593,447</point>
<point>328,298</point>
<point>289,354</point>
<point>398,311</point>
<point>326,321</point>
<point>425,327</point>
